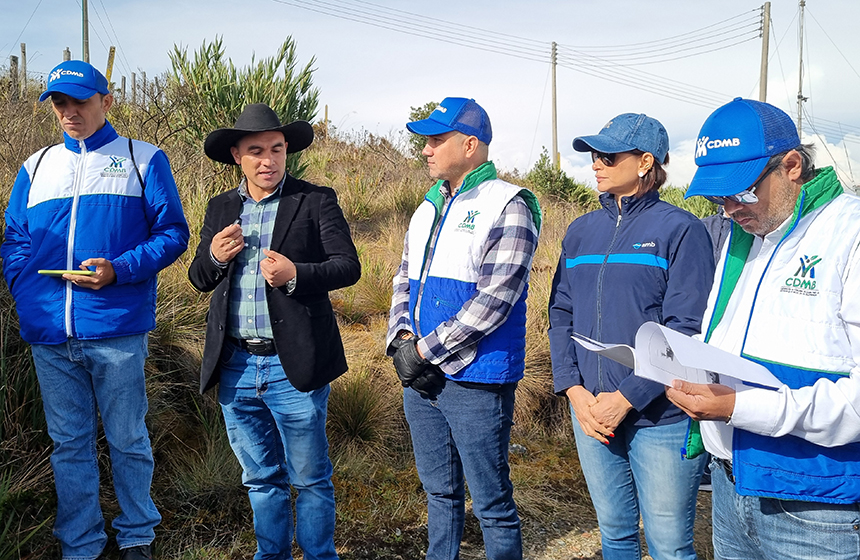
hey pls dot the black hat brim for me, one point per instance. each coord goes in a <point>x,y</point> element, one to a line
<point>298,135</point>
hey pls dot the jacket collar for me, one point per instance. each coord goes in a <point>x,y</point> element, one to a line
<point>98,139</point>
<point>484,172</point>
<point>630,205</point>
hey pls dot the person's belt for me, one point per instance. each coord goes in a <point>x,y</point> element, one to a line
<point>255,346</point>
<point>726,465</point>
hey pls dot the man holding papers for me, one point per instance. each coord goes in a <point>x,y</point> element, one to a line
<point>786,473</point>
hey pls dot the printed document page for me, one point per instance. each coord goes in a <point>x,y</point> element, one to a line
<point>664,355</point>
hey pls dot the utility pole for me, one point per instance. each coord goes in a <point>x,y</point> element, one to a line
<point>133,88</point>
<point>556,161</point>
<point>765,38</point>
<point>85,35</point>
<point>109,69</point>
<point>13,77</point>
<point>24,70</point>
<point>800,98</point>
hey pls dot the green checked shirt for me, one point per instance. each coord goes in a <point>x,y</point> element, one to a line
<point>248,315</point>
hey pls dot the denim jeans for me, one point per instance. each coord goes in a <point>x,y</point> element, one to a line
<point>466,431</point>
<point>80,379</point>
<point>755,528</point>
<point>278,436</point>
<point>641,472</point>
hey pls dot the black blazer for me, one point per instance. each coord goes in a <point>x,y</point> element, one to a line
<point>311,231</point>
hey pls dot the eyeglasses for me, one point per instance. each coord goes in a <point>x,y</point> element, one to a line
<point>746,196</point>
<point>607,159</point>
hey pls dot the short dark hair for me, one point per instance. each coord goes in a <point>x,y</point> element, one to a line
<point>653,179</point>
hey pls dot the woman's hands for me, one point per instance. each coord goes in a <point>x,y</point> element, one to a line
<point>598,416</point>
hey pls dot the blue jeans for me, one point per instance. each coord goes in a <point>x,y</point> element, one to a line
<point>278,436</point>
<point>641,472</point>
<point>755,528</point>
<point>80,379</point>
<point>466,431</point>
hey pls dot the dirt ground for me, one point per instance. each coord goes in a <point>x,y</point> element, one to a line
<point>560,542</point>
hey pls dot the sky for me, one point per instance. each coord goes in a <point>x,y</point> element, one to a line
<point>613,59</point>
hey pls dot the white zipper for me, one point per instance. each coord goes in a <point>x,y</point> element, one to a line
<point>70,248</point>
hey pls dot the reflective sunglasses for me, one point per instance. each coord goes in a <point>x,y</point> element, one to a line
<point>607,159</point>
<point>746,196</point>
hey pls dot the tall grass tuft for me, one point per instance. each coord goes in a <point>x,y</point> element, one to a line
<point>213,90</point>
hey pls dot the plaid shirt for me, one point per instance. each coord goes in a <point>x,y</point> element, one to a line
<point>248,314</point>
<point>504,275</point>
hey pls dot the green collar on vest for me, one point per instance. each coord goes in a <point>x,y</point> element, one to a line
<point>485,172</point>
<point>823,188</point>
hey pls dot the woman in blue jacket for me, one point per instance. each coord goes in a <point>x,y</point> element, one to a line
<point>636,259</point>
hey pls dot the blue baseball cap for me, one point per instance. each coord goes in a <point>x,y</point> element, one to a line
<point>456,113</point>
<point>735,144</point>
<point>626,133</point>
<point>77,79</point>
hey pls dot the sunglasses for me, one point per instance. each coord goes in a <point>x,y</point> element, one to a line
<point>607,159</point>
<point>746,196</point>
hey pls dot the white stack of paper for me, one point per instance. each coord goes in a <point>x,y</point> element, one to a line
<point>664,355</point>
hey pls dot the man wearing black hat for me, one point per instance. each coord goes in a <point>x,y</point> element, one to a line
<point>89,225</point>
<point>270,251</point>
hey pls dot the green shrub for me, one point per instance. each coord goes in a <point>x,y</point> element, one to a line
<point>214,91</point>
<point>696,205</point>
<point>549,181</point>
<point>416,141</point>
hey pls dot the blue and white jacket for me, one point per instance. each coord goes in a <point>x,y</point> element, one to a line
<point>801,442</point>
<point>651,261</point>
<point>87,201</point>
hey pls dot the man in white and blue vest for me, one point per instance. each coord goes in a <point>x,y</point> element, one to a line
<point>786,468</point>
<point>457,329</point>
<point>90,223</point>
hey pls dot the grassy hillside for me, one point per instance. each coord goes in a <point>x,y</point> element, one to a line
<point>381,507</point>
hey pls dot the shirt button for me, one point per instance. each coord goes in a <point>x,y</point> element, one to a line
<point>250,320</point>
<point>250,296</point>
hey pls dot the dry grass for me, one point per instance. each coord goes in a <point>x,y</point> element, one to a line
<point>381,506</point>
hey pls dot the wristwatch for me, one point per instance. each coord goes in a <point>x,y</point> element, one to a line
<point>290,286</point>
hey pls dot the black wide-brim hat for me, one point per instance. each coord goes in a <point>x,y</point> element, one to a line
<point>257,117</point>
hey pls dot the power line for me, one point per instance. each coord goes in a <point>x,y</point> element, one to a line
<point>667,57</point>
<point>120,48</point>
<point>18,38</point>
<point>427,28</point>
<point>750,31</point>
<point>834,45</point>
<point>675,38</point>
<point>472,37</point>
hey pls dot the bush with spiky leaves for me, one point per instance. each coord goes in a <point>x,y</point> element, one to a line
<point>214,90</point>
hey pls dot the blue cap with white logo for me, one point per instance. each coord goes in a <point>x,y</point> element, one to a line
<point>455,113</point>
<point>626,133</point>
<point>77,79</point>
<point>735,144</point>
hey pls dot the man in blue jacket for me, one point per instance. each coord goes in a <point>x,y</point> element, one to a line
<point>89,224</point>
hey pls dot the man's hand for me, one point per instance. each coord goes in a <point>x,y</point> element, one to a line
<point>702,402</point>
<point>408,363</point>
<point>104,275</point>
<point>609,409</point>
<point>277,269</point>
<point>227,243</point>
<point>581,400</point>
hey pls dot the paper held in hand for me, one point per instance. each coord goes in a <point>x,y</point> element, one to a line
<point>664,355</point>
